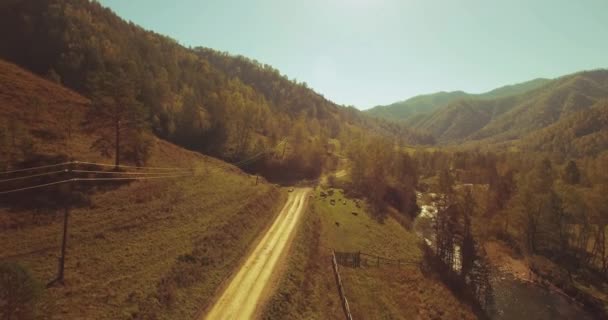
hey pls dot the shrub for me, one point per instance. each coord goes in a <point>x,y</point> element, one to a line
<point>19,292</point>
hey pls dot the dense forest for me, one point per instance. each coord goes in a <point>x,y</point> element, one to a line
<point>550,210</point>
<point>226,106</point>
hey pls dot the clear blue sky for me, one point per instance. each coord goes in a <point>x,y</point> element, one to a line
<point>370,52</point>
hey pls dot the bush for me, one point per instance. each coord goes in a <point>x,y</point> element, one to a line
<point>19,292</point>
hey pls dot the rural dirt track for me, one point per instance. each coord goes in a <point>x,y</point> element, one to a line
<point>246,290</point>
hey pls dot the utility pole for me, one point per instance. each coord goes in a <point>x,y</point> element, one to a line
<point>66,214</point>
<point>117,128</point>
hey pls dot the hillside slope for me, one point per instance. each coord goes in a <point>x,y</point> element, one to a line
<point>147,248</point>
<point>584,133</point>
<point>204,100</point>
<point>548,104</point>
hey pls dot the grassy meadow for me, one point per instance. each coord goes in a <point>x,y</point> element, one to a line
<point>308,291</point>
<point>160,247</point>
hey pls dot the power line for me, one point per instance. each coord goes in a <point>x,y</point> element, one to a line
<point>36,168</point>
<point>92,179</point>
<point>257,156</point>
<point>129,178</point>
<point>123,173</point>
<point>34,176</point>
<point>240,163</point>
<point>36,187</point>
<point>132,167</point>
<point>90,163</point>
<point>250,160</point>
<point>177,173</point>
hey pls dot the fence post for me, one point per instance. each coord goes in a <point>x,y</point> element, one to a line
<point>345,306</point>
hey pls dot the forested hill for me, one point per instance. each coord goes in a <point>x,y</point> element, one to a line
<point>418,106</point>
<point>421,104</point>
<point>565,116</point>
<point>208,101</point>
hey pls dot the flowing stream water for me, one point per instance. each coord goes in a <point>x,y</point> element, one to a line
<point>514,299</point>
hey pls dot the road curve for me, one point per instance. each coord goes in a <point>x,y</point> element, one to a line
<point>244,293</point>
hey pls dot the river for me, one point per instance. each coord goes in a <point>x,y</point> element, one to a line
<point>514,299</point>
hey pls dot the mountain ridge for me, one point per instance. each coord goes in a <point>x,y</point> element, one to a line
<point>427,103</point>
<point>529,116</point>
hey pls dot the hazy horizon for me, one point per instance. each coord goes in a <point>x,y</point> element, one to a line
<point>367,53</point>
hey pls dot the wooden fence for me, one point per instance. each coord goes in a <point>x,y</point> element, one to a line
<point>340,288</point>
<point>361,259</point>
<point>357,260</point>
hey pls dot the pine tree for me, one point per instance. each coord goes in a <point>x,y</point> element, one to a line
<point>116,116</point>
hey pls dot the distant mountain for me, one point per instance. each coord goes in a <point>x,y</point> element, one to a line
<point>554,117</point>
<point>514,89</point>
<point>419,104</point>
<point>428,103</point>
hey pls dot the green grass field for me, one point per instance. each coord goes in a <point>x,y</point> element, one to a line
<point>308,290</point>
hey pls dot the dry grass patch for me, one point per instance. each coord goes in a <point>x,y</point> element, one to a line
<point>127,248</point>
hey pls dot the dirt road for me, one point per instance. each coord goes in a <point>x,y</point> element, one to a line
<point>246,290</point>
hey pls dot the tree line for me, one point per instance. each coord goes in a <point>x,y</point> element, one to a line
<point>382,173</point>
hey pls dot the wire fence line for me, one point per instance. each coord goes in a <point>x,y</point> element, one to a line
<point>340,285</point>
<point>357,260</point>
<point>361,259</point>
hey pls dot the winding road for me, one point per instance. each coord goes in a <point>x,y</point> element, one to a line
<point>247,289</point>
